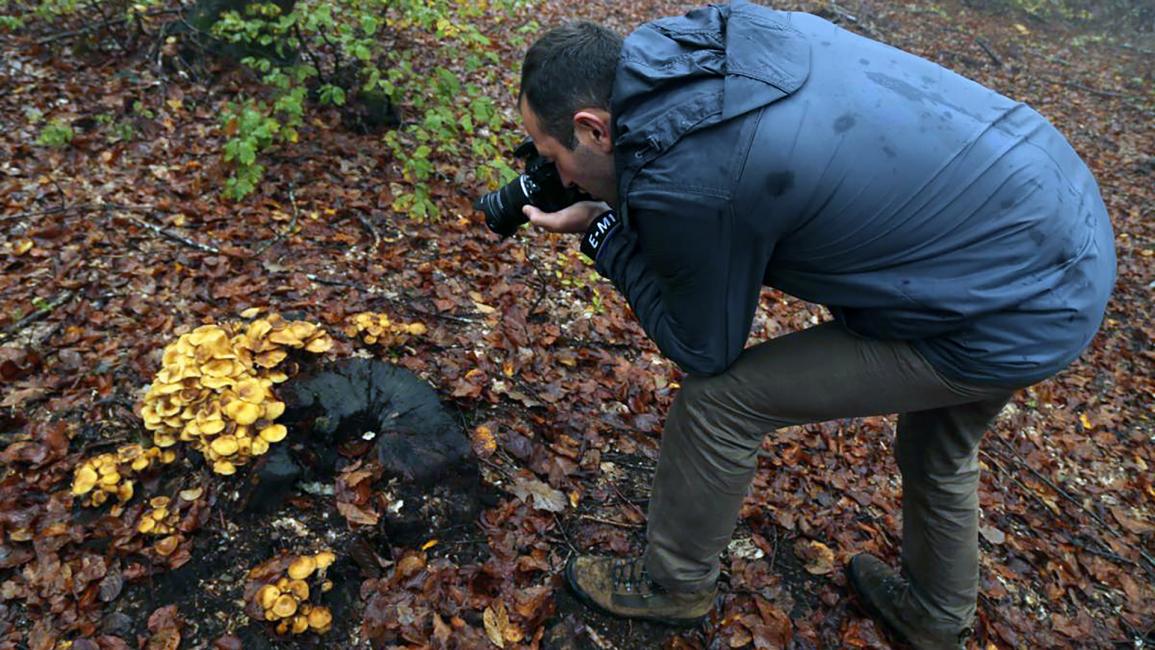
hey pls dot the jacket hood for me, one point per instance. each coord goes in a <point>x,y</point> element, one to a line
<point>678,75</point>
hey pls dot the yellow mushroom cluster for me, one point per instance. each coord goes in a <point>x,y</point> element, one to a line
<point>159,519</point>
<point>215,389</point>
<point>374,328</point>
<point>286,601</point>
<point>106,475</point>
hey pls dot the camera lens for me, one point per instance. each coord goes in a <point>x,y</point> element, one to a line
<point>502,207</point>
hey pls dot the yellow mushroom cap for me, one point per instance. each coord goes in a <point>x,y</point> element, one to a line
<point>274,433</point>
<point>84,480</point>
<point>225,445</point>
<point>168,456</point>
<point>210,426</point>
<point>242,412</point>
<point>146,525</point>
<point>274,410</point>
<point>224,468</point>
<point>270,358</point>
<point>139,464</point>
<point>124,492</point>
<point>166,546</point>
<point>302,567</point>
<point>164,440</point>
<point>258,329</point>
<point>285,606</point>
<point>251,390</point>
<point>326,586</point>
<point>267,596</point>
<point>299,589</point>
<point>320,618</point>
<point>416,328</point>
<point>320,344</point>
<point>300,624</point>
<point>324,559</point>
<point>259,447</point>
<point>217,382</point>
<point>283,627</point>
<point>111,478</point>
<point>205,334</point>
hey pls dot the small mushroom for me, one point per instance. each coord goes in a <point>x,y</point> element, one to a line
<point>300,624</point>
<point>166,546</point>
<point>320,618</point>
<point>302,567</point>
<point>285,606</point>
<point>242,412</point>
<point>320,344</point>
<point>325,559</point>
<point>225,445</point>
<point>300,589</point>
<point>224,468</point>
<point>84,480</point>
<point>273,410</point>
<point>275,433</point>
<point>267,596</point>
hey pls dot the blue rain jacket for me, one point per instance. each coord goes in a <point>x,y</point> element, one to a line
<point>756,147</point>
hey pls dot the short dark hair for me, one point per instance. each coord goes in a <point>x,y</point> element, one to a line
<point>569,68</point>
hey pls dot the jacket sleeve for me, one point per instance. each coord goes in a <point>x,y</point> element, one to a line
<point>690,274</point>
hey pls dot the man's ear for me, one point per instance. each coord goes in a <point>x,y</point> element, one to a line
<point>592,127</point>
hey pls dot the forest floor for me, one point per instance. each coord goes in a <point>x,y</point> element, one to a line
<point>114,246</point>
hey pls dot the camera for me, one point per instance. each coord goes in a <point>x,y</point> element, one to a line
<point>540,186</point>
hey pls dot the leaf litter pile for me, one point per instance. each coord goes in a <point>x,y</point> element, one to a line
<point>114,249</point>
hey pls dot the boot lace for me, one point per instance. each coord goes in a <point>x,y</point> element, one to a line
<point>630,576</point>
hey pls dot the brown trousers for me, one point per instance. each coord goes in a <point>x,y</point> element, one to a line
<point>715,428</point>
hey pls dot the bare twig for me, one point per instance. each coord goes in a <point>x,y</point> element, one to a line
<point>1093,91</point>
<point>100,25</point>
<point>1063,493</point>
<point>79,206</point>
<point>168,234</point>
<point>40,313</point>
<point>609,522</point>
<point>990,52</point>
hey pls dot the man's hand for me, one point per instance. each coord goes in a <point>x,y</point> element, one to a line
<point>575,218</point>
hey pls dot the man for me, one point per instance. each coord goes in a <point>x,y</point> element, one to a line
<point>960,243</point>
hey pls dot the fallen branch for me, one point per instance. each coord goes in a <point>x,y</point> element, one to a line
<point>1093,91</point>
<point>1063,493</point>
<point>116,22</point>
<point>79,206</point>
<point>609,522</point>
<point>989,51</point>
<point>39,314</point>
<point>167,234</point>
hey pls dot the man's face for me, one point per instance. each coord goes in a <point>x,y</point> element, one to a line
<point>589,165</point>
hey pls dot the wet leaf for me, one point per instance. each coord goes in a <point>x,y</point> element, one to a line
<point>543,496</point>
<point>816,557</point>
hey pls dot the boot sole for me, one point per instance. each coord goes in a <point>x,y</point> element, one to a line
<point>585,599</point>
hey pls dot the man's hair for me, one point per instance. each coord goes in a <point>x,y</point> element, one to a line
<point>570,68</point>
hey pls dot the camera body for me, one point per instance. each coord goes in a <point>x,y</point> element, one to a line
<point>540,186</point>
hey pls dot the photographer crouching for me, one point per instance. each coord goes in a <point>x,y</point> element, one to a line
<point>958,240</point>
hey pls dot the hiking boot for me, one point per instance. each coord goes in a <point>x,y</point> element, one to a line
<point>622,587</point>
<point>885,596</point>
